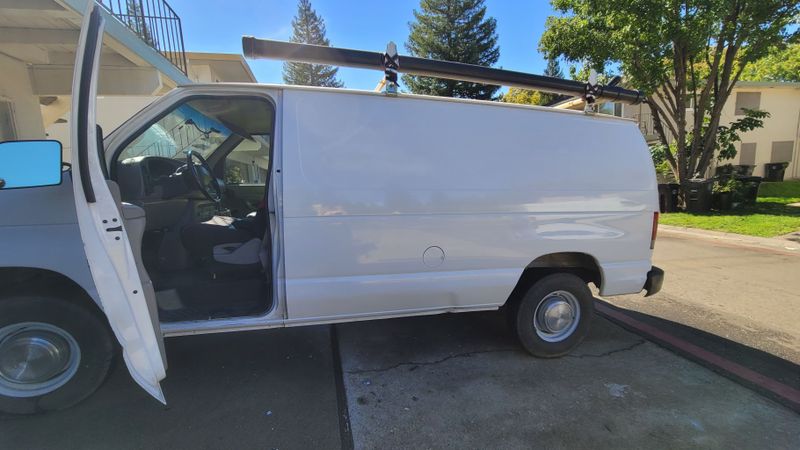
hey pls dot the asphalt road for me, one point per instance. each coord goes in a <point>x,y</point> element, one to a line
<point>744,294</point>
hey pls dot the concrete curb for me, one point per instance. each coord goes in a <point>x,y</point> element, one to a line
<point>783,245</point>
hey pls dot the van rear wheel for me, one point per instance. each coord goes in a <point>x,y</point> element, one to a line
<point>53,353</point>
<point>553,316</point>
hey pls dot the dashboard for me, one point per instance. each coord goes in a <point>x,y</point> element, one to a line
<point>165,191</point>
<point>151,177</point>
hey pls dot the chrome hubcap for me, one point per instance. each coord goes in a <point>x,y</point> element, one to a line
<point>557,316</point>
<point>36,358</point>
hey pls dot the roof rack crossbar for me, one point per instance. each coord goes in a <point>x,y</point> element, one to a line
<point>289,51</point>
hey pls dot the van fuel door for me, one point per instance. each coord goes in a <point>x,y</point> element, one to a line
<point>433,256</point>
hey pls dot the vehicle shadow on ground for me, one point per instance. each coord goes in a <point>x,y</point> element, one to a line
<point>763,364</point>
<point>261,389</point>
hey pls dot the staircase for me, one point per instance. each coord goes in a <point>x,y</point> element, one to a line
<point>155,22</point>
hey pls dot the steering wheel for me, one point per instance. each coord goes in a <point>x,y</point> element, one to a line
<point>203,176</point>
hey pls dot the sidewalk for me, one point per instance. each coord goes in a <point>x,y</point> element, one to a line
<point>783,245</point>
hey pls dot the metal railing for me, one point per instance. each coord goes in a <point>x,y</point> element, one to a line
<point>155,22</point>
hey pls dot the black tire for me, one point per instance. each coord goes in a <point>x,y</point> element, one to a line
<point>88,328</point>
<point>522,313</point>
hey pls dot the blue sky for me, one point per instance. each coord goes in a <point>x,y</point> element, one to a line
<point>214,26</point>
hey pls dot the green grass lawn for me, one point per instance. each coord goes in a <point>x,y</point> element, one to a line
<point>769,217</point>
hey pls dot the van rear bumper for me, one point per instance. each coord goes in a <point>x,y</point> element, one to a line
<point>655,278</point>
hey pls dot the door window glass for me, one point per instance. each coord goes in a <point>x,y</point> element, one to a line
<point>248,163</point>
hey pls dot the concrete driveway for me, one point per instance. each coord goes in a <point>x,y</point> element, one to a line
<point>462,382</point>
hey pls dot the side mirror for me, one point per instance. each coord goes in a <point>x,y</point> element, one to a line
<point>29,164</point>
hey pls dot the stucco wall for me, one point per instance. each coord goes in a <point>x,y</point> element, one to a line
<point>16,87</point>
<point>111,112</point>
<point>783,104</point>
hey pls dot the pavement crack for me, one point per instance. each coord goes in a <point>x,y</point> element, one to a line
<point>610,352</point>
<point>430,363</point>
<point>478,352</point>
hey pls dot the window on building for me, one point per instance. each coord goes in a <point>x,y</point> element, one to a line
<point>612,109</point>
<point>747,154</point>
<point>8,131</point>
<point>747,100</point>
<point>248,163</point>
<point>781,151</point>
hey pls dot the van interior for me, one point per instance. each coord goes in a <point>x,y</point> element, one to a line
<point>200,174</point>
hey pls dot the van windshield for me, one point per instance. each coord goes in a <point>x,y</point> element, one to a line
<point>184,128</point>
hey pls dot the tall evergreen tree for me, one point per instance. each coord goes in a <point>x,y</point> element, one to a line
<point>453,30</point>
<point>309,28</point>
<point>553,69</point>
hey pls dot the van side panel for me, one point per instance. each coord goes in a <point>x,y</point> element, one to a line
<point>370,182</point>
<point>39,229</point>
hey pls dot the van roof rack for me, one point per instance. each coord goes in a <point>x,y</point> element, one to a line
<point>391,63</point>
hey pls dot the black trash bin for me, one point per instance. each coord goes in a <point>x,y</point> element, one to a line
<point>724,170</point>
<point>774,171</point>
<point>698,198</point>
<point>743,171</point>
<point>663,194</point>
<point>750,191</point>
<point>674,192</point>
<point>668,197</point>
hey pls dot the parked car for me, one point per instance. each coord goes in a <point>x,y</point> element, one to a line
<point>233,207</point>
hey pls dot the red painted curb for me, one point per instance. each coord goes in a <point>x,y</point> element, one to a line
<point>776,387</point>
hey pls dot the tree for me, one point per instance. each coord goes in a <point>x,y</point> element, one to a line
<point>553,69</point>
<point>453,30</point>
<point>583,71</point>
<point>777,66</point>
<point>309,28</point>
<point>724,148</point>
<point>685,56</point>
<point>522,96</point>
<point>533,97</point>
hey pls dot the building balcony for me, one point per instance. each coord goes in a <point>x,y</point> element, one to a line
<point>155,23</point>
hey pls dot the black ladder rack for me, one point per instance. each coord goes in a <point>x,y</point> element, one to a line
<point>289,51</point>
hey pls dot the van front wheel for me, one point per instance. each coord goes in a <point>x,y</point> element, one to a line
<point>53,353</point>
<point>553,317</point>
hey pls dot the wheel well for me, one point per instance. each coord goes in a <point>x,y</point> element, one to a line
<point>580,264</point>
<point>29,280</point>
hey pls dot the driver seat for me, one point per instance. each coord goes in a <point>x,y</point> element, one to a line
<point>225,241</point>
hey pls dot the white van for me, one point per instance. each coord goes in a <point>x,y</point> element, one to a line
<point>232,207</point>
